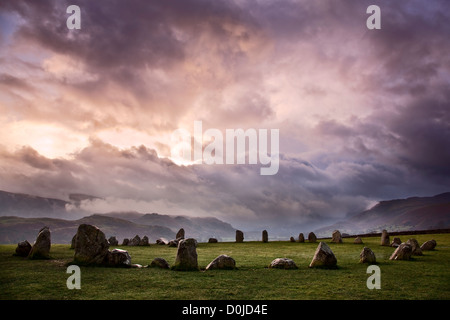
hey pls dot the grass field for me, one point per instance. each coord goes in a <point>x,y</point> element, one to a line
<point>424,277</point>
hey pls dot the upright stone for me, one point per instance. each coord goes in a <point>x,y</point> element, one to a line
<point>144,241</point>
<point>180,234</point>
<point>428,245</point>
<point>91,246</point>
<point>367,256</point>
<point>301,237</point>
<point>265,236</point>
<point>336,237</point>
<point>323,257</point>
<point>396,242</point>
<point>416,251</point>
<point>23,249</point>
<point>125,242</point>
<point>403,252</point>
<point>312,237</point>
<point>41,247</point>
<point>186,259</point>
<point>113,241</point>
<point>212,240</point>
<point>292,239</point>
<point>135,241</point>
<point>239,236</point>
<point>385,238</point>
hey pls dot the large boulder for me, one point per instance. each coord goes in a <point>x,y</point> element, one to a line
<point>239,236</point>
<point>91,246</point>
<point>222,262</point>
<point>113,241</point>
<point>41,247</point>
<point>301,237</point>
<point>336,237</point>
<point>416,251</point>
<point>323,257</point>
<point>403,252</point>
<point>428,245</point>
<point>118,258</point>
<point>135,241</point>
<point>144,241</point>
<point>265,236</point>
<point>312,237</point>
<point>367,256</point>
<point>180,234</point>
<point>283,263</point>
<point>23,249</point>
<point>385,238</point>
<point>159,263</point>
<point>186,259</point>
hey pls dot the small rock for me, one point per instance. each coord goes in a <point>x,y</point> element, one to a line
<point>283,263</point>
<point>23,249</point>
<point>428,245</point>
<point>323,257</point>
<point>367,256</point>
<point>222,262</point>
<point>358,240</point>
<point>159,263</point>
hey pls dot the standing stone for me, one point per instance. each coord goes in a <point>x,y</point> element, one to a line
<point>292,239</point>
<point>384,238</point>
<point>283,263</point>
<point>41,247</point>
<point>222,262</point>
<point>265,236</point>
<point>23,249</point>
<point>113,241</point>
<point>336,237</point>
<point>416,251</point>
<point>135,241</point>
<point>118,258</point>
<point>358,240</point>
<point>91,246</point>
<point>239,236</point>
<point>180,234</point>
<point>212,240</point>
<point>72,243</point>
<point>301,237</point>
<point>428,245</point>
<point>173,243</point>
<point>125,242</point>
<point>367,256</point>
<point>186,259</point>
<point>323,257</point>
<point>396,242</point>
<point>144,241</point>
<point>312,237</point>
<point>403,252</point>
<point>159,263</point>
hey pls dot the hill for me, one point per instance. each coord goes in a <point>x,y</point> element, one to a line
<point>415,213</point>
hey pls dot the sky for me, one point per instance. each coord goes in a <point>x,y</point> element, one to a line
<point>363,115</point>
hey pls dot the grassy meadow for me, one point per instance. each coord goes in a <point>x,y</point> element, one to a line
<point>423,277</point>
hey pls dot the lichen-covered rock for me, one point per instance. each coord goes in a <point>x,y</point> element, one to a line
<point>416,251</point>
<point>118,258</point>
<point>41,247</point>
<point>403,252</point>
<point>367,256</point>
<point>222,262</point>
<point>428,245</point>
<point>186,259</point>
<point>91,246</point>
<point>336,237</point>
<point>283,263</point>
<point>323,257</point>
<point>396,242</point>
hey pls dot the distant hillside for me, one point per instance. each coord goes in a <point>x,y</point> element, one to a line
<point>416,213</point>
<point>195,227</point>
<point>16,229</point>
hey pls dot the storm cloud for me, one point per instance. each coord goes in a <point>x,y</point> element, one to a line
<point>363,114</point>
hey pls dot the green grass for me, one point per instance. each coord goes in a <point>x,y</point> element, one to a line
<point>424,277</point>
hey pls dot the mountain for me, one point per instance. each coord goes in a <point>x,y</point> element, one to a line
<point>415,213</point>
